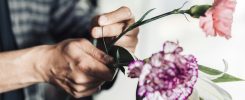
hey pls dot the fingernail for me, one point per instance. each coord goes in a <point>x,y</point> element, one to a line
<point>103,20</point>
<point>97,32</point>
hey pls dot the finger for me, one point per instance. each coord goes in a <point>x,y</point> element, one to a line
<point>71,90</point>
<point>114,30</point>
<point>128,43</point>
<point>90,49</point>
<point>64,86</point>
<point>95,68</point>
<point>86,93</point>
<point>82,88</point>
<point>108,31</point>
<point>118,15</point>
<point>77,77</point>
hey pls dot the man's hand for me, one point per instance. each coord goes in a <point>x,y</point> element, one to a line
<point>76,66</point>
<point>113,24</point>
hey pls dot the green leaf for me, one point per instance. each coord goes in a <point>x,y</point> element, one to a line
<point>225,78</point>
<point>118,60</point>
<point>117,55</point>
<point>123,56</point>
<point>143,17</point>
<point>122,69</point>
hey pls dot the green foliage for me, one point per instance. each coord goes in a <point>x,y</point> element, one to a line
<point>143,17</point>
<point>122,57</point>
<point>225,78</point>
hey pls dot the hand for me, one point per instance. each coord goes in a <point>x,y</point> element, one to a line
<point>113,24</point>
<point>76,66</point>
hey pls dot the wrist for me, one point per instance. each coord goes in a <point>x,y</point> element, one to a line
<point>36,61</point>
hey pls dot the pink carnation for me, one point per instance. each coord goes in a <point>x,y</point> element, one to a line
<point>218,19</point>
<point>167,75</point>
<point>135,68</point>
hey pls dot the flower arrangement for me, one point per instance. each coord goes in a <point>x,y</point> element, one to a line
<point>168,74</point>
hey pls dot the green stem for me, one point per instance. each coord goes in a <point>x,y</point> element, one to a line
<point>139,23</point>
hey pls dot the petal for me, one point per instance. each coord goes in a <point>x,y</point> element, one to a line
<point>218,19</point>
<point>209,90</point>
<point>194,95</point>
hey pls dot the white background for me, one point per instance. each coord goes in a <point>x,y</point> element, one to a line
<point>209,50</point>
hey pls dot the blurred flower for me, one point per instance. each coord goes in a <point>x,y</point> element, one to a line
<point>167,75</point>
<point>218,18</point>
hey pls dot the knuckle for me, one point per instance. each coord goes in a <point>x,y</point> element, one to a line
<point>87,69</point>
<point>83,66</point>
<point>85,45</point>
<point>127,10</point>
<point>71,45</point>
<point>100,56</point>
<point>96,53</point>
<point>83,41</point>
<point>78,80</point>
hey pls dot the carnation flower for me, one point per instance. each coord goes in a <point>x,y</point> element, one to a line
<point>135,68</point>
<point>167,75</point>
<point>218,18</point>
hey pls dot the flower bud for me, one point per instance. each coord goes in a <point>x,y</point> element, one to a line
<point>198,10</point>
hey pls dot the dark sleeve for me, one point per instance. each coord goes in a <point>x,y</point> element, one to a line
<point>71,18</point>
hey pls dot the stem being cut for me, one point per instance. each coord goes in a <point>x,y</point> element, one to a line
<point>142,22</point>
<point>195,11</point>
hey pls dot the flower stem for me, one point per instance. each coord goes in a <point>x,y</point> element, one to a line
<point>142,22</point>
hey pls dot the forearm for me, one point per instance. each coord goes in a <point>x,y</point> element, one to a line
<point>18,70</point>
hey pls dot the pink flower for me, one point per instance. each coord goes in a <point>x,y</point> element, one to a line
<point>135,68</point>
<point>218,18</point>
<point>167,75</point>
